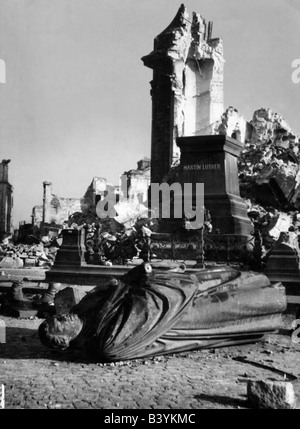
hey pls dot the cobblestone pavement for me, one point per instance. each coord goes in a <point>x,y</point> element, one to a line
<point>37,377</point>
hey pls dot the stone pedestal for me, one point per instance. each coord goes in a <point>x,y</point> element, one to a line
<point>71,252</point>
<point>283,265</point>
<point>284,261</point>
<point>212,160</point>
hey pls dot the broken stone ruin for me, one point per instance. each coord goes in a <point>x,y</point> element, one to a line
<point>135,286</point>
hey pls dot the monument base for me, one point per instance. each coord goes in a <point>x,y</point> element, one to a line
<point>228,248</point>
<point>228,213</point>
<point>72,250</point>
<point>283,265</point>
<point>212,161</point>
<point>202,248</point>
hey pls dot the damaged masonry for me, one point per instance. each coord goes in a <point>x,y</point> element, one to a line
<point>133,290</point>
<point>187,68</point>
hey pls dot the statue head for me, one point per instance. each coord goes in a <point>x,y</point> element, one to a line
<point>58,331</point>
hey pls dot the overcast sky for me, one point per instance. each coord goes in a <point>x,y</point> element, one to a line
<point>76,102</point>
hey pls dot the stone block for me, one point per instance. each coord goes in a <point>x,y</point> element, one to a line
<point>271,394</point>
<point>30,262</point>
<point>11,262</point>
<point>20,310</point>
<point>283,261</point>
<point>67,298</point>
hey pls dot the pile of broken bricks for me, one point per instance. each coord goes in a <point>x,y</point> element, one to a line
<point>24,255</point>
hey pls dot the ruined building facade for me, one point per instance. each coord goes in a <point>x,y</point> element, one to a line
<point>96,192</point>
<point>6,200</point>
<point>55,209</point>
<point>137,181</point>
<point>187,86</point>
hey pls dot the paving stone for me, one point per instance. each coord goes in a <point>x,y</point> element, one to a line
<point>176,383</point>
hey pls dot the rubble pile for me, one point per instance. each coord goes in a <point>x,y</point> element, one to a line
<point>268,125</point>
<point>79,219</point>
<point>269,223</point>
<point>27,255</point>
<point>231,124</point>
<point>269,163</point>
<point>269,173</point>
<point>119,244</point>
<point>115,240</point>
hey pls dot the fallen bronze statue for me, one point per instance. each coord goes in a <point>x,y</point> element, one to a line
<point>153,311</point>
